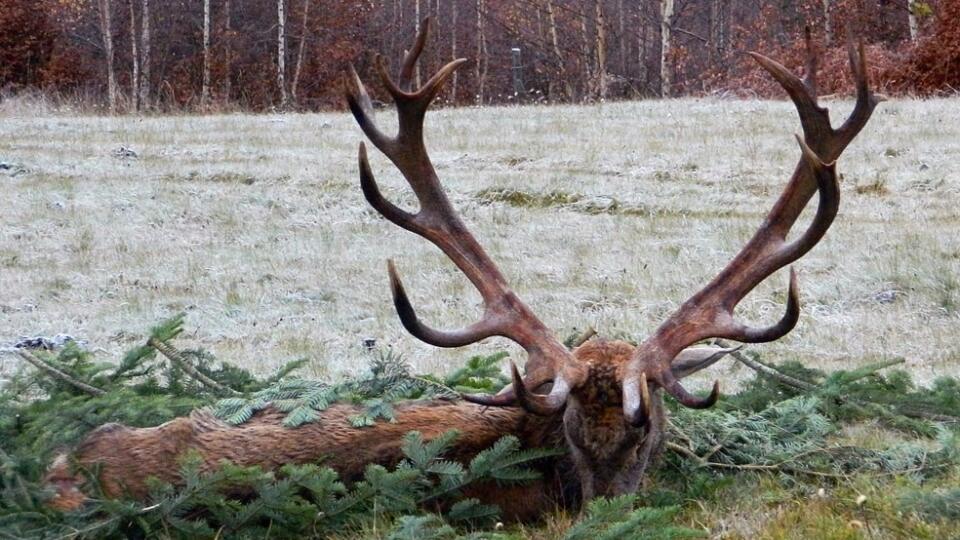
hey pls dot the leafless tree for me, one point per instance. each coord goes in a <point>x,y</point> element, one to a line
<point>205,88</point>
<point>601,48</point>
<point>106,33</point>
<point>482,62</point>
<point>282,53</point>
<point>666,29</point>
<point>144,101</point>
<point>304,29</point>
<point>911,19</point>
<point>135,58</point>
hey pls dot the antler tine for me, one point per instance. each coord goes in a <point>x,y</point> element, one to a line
<point>709,313</point>
<point>436,220</point>
<point>411,57</point>
<point>482,329</point>
<point>866,100</point>
<point>362,108</point>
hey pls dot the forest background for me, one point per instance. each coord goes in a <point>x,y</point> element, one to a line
<point>261,55</point>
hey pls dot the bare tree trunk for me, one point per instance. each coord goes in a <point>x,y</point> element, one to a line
<point>828,23</point>
<point>228,51</point>
<point>135,57</point>
<point>302,46</point>
<point>666,65</point>
<point>642,74</point>
<point>396,21</point>
<point>205,88</point>
<point>453,49</point>
<point>558,56</point>
<point>911,19</point>
<point>622,16</point>
<point>718,33</point>
<point>416,32</point>
<point>482,60</point>
<point>144,100</point>
<point>585,55</point>
<point>601,45</point>
<point>282,53</point>
<point>106,33</point>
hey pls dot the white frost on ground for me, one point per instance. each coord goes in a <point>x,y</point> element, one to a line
<point>257,229</point>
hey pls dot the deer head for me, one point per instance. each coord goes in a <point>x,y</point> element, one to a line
<point>608,393</point>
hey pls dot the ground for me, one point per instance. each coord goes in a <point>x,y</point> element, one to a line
<point>607,215</point>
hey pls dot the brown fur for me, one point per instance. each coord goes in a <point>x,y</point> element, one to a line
<point>127,457</point>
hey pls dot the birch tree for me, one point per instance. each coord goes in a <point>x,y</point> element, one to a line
<point>601,47</point>
<point>666,66</point>
<point>205,87</point>
<point>912,19</point>
<point>481,67</point>
<point>106,33</point>
<point>282,53</point>
<point>144,101</point>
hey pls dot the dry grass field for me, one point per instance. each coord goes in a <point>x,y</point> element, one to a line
<point>607,215</point>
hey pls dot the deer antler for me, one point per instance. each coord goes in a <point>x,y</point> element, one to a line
<point>709,313</point>
<point>504,313</point>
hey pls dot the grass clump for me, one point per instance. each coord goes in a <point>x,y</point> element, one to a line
<point>524,199</point>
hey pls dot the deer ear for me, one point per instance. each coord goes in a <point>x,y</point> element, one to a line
<point>693,359</point>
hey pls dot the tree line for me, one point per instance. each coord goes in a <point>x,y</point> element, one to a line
<point>133,55</point>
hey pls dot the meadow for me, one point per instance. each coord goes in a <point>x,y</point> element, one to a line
<point>606,215</point>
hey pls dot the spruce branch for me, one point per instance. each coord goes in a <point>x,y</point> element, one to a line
<point>768,371</point>
<point>57,374</point>
<point>177,358</point>
<point>862,405</point>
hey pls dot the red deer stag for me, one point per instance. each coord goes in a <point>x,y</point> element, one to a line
<point>602,400</point>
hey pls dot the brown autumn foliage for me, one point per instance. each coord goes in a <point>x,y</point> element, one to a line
<point>26,43</point>
<point>568,50</point>
<point>933,66</point>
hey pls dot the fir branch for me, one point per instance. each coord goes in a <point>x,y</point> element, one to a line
<point>56,373</point>
<point>766,370</point>
<point>177,358</point>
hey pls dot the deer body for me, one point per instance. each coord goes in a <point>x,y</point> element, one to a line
<point>602,401</point>
<point>127,457</point>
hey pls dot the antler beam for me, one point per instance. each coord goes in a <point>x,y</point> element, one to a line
<point>709,313</point>
<point>504,313</point>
